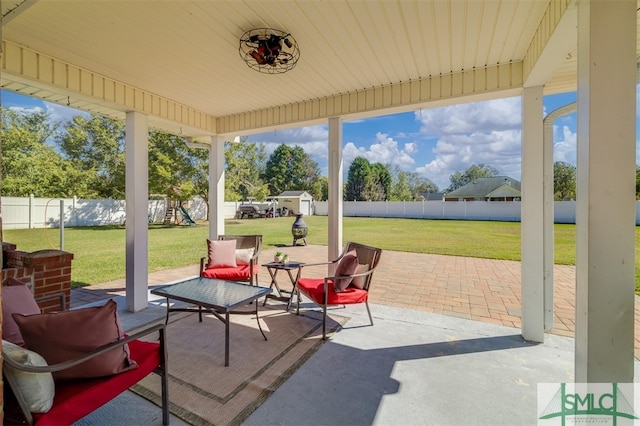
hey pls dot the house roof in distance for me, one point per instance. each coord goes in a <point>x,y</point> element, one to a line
<point>496,186</point>
<point>433,196</point>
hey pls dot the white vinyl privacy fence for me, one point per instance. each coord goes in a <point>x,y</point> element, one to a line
<point>31,212</point>
<point>508,211</point>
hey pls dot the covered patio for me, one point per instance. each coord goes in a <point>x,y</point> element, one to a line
<point>175,66</point>
<point>445,348</point>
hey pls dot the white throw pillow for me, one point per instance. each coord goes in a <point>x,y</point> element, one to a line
<point>38,389</point>
<point>243,256</point>
<point>359,281</point>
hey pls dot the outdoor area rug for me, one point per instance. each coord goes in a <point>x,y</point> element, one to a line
<point>202,391</point>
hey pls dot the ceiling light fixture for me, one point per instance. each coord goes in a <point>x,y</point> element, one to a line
<point>269,51</point>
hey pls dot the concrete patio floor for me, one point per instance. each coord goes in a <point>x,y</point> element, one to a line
<point>445,349</point>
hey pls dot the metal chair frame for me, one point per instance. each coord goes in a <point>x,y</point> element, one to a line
<point>366,255</point>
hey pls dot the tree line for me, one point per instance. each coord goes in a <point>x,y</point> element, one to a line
<point>85,157</point>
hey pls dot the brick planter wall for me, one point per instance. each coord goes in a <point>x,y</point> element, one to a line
<point>24,275</point>
<point>51,271</point>
<point>6,247</point>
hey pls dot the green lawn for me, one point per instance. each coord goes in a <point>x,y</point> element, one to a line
<point>99,252</point>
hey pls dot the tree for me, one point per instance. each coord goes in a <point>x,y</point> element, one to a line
<point>380,183</point>
<point>200,163</point>
<point>358,180</point>
<point>29,164</point>
<point>174,168</point>
<point>474,172</point>
<point>368,182</point>
<point>400,190</point>
<point>320,189</point>
<point>564,181</point>
<point>244,165</point>
<point>420,184</point>
<point>290,169</point>
<point>95,146</point>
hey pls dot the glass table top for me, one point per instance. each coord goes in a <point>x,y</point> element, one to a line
<point>213,293</point>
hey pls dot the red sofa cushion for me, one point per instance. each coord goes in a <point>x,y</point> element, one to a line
<point>239,273</point>
<point>314,288</point>
<point>77,398</point>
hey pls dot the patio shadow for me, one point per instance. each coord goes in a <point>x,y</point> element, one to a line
<point>353,381</point>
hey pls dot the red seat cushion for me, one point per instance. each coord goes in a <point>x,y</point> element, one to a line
<point>314,288</point>
<point>239,273</point>
<point>76,398</point>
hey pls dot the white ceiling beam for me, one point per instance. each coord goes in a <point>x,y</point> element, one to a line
<point>16,11</point>
<point>554,42</point>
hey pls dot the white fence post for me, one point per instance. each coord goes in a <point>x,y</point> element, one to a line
<point>74,213</point>
<point>31,211</point>
<point>61,224</point>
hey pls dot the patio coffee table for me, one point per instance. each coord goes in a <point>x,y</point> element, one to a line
<point>218,297</point>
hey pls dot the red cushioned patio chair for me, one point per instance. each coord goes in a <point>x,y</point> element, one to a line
<point>243,271</point>
<point>74,399</point>
<point>354,280</point>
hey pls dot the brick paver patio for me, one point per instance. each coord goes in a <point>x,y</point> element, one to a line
<point>478,289</point>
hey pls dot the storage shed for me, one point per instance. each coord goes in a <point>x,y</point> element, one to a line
<point>296,201</point>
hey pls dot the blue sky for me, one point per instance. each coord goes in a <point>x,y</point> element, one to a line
<point>434,142</point>
<point>437,142</point>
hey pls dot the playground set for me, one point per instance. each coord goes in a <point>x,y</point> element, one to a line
<point>175,213</point>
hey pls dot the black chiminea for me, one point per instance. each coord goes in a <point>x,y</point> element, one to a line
<point>299,230</point>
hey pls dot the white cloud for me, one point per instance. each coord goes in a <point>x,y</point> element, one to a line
<point>411,148</point>
<point>313,139</point>
<point>499,149</point>
<point>477,133</point>
<point>61,113</point>
<point>564,149</point>
<point>385,151</point>
<point>57,113</point>
<point>486,116</point>
<point>26,110</point>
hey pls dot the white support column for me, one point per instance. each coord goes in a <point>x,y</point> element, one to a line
<point>547,230</point>
<point>549,220</point>
<point>137,210</point>
<point>335,187</point>
<point>605,214</point>
<point>216,187</point>
<point>532,216</point>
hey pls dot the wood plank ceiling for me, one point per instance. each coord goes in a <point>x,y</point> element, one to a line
<point>186,52</point>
